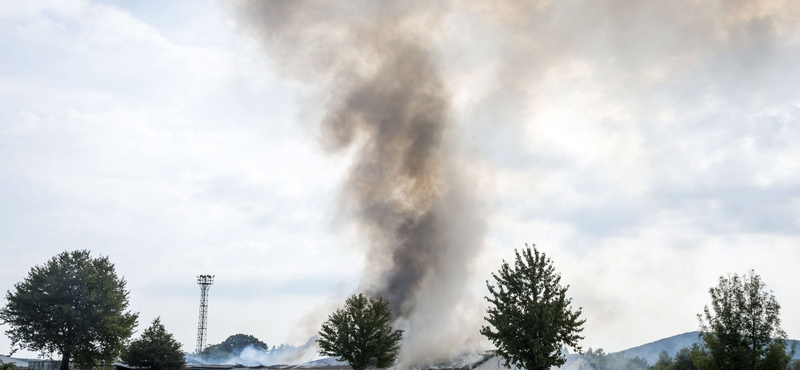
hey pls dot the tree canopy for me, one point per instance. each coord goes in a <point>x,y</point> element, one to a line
<point>156,349</point>
<point>8,366</point>
<point>683,360</point>
<point>741,330</point>
<point>664,361</point>
<point>74,305</point>
<point>233,346</point>
<point>360,333</point>
<point>614,361</point>
<point>530,316</point>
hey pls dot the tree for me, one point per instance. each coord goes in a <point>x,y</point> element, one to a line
<point>664,362</point>
<point>235,344</point>
<point>741,330</point>
<point>683,360</point>
<point>156,349</point>
<point>74,305</point>
<point>360,333</point>
<point>530,316</point>
<point>8,366</point>
<point>614,361</point>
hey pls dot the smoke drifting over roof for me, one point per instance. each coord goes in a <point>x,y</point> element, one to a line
<point>407,191</point>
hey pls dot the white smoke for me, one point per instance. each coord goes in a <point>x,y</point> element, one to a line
<point>252,356</point>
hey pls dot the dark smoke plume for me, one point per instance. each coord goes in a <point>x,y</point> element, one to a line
<point>383,73</point>
<point>408,192</point>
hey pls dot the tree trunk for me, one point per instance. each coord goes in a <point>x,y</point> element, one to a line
<point>65,360</point>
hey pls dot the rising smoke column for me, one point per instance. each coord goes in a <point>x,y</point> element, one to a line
<point>637,72</point>
<point>407,192</point>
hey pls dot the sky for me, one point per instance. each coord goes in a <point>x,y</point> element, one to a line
<point>648,149</point>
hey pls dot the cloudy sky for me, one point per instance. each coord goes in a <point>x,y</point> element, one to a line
<point>647,148</point>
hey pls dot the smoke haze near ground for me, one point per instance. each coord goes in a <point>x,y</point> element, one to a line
<point>253,356</point>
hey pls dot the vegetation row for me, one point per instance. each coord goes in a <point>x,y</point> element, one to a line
<point>76,305</point>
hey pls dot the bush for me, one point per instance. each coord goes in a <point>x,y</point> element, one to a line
<point>156,350</point>
<point>360,333</point>
<point>8,366</point>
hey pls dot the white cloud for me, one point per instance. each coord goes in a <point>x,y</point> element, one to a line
<point>174,160</point>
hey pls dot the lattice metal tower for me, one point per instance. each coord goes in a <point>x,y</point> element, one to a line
<point>205,282</point>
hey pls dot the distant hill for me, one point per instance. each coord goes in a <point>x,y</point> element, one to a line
<point>672,345</point>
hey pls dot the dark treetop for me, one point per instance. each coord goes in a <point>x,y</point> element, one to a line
<point>741,330</point>
<point>74,305</point>
<point>156,349</point>
<point>530,316</point>
<point>233,346</point>
<point>361,334</point>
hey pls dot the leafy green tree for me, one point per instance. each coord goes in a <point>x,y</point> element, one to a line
<point>531,319</point>
<point>234,345</point>
<point>683,360</point>
<point>638,363</point>
<point>614,361</point>
<point>700,357</point>
<point>8,366</point>
<point>741,330</point>
<point>776,356</point>
<point>74,305</point>
<point>664,362</point>
<point>156,349</point>
<point>360,333</point>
